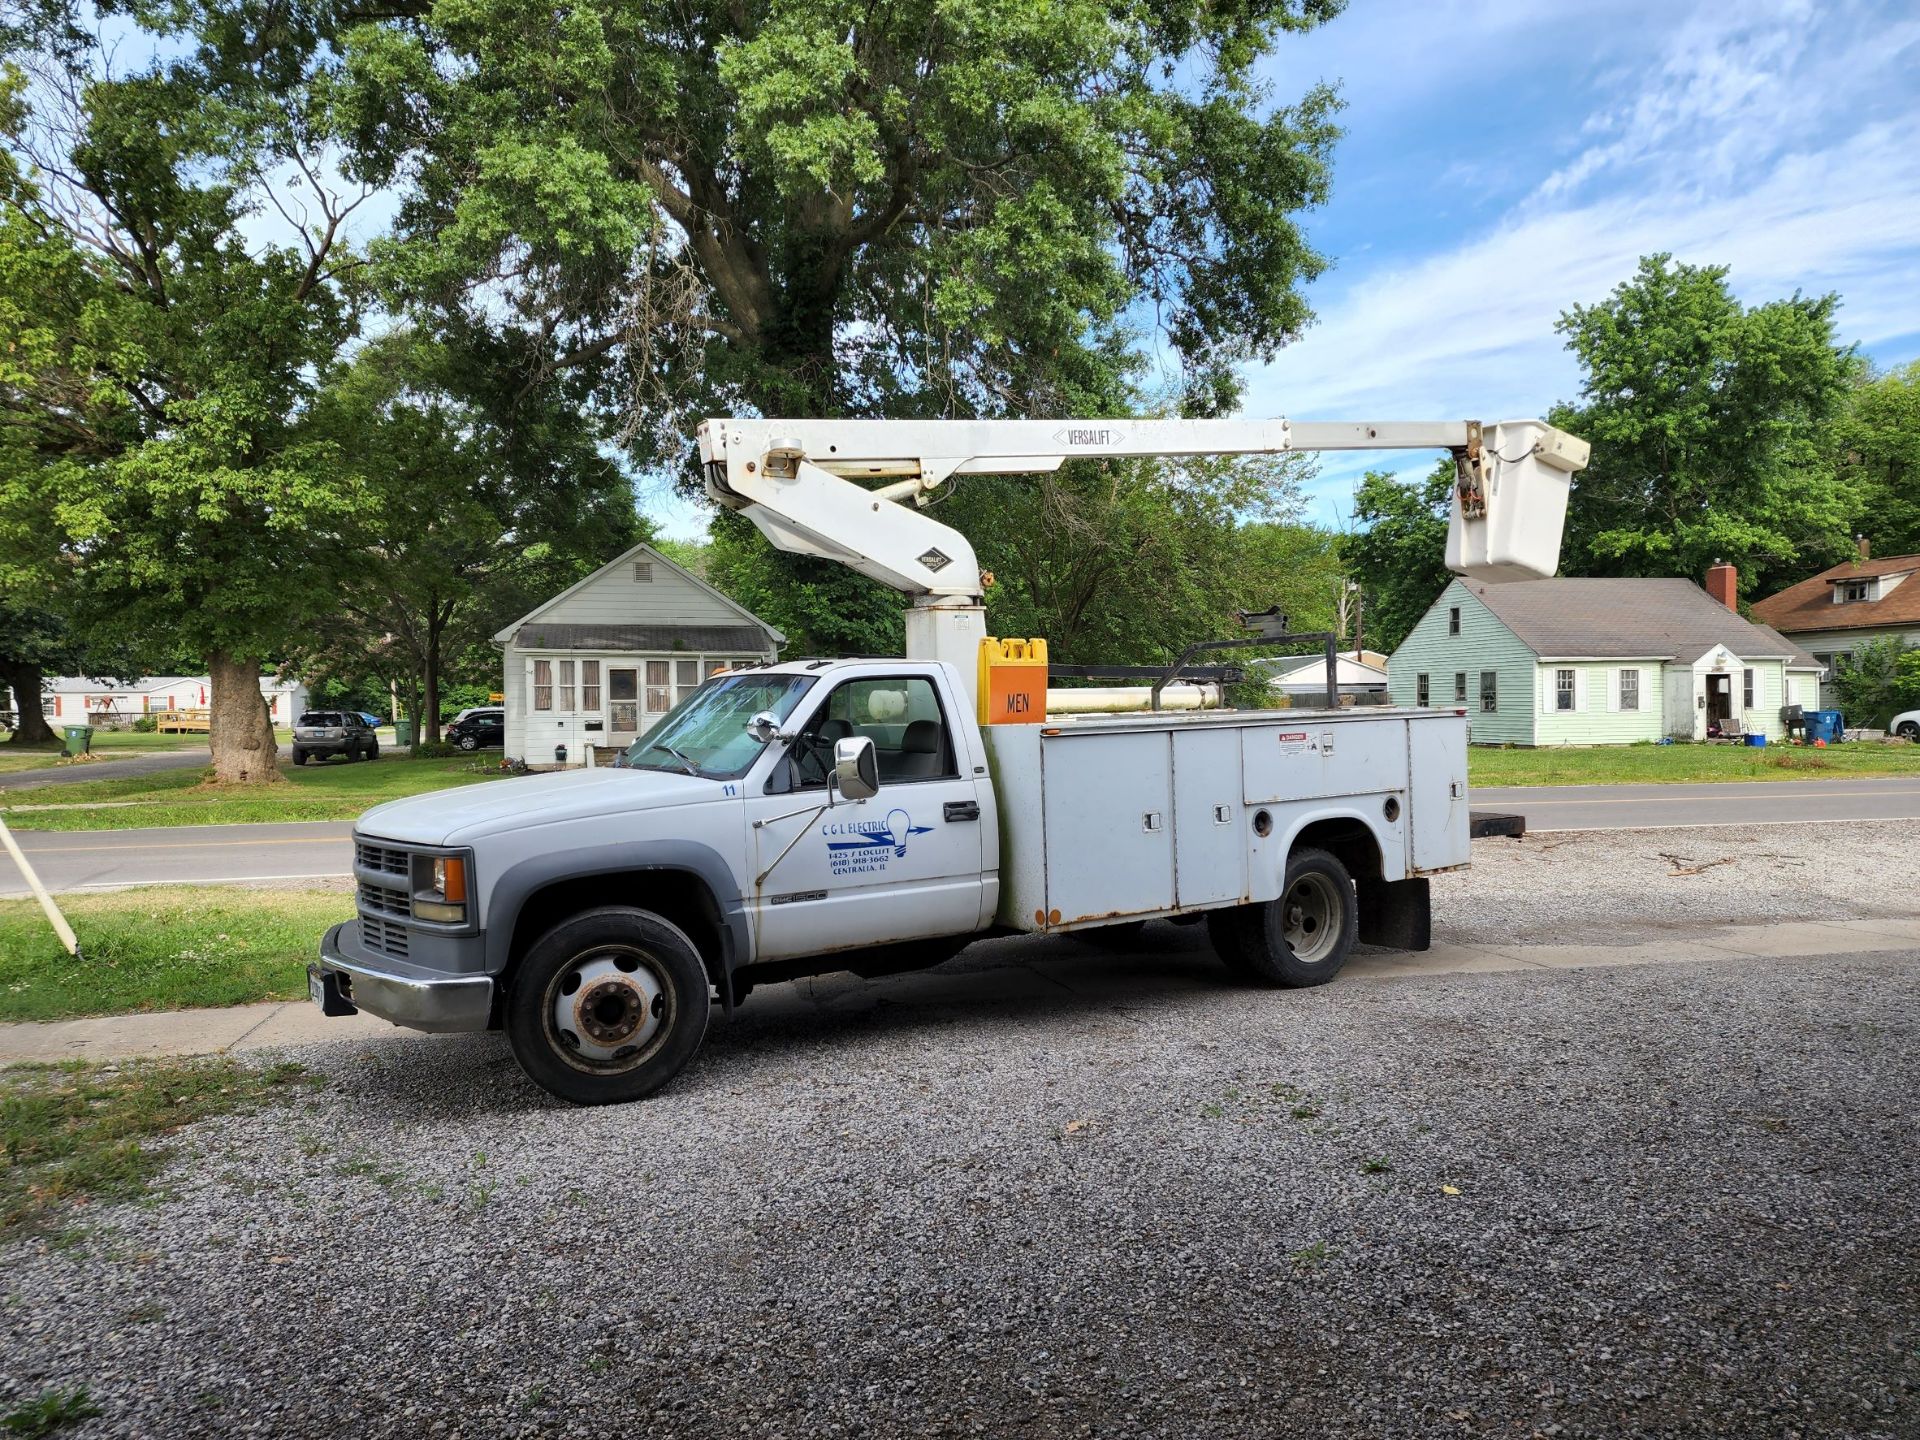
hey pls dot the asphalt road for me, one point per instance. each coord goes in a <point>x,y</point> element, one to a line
<point>1762,802</point>
<point>183,855</point>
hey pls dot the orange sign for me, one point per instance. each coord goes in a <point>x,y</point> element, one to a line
<point>1013,682</point>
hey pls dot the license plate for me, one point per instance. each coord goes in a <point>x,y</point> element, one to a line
<point>317,988</point>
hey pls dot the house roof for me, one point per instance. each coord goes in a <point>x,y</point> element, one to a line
<point>1809,605</point>
<point>505,636</point>
<point>647,639</point>
<point>1571,618</point>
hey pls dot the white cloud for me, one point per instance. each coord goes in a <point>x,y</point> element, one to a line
<point>1782,142</point>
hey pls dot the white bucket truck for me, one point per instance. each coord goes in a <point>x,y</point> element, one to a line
<point>877,815</point>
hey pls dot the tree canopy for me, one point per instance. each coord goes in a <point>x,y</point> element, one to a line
<point>1707,420</point>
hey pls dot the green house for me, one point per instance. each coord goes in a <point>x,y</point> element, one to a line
<point>1598,662</point>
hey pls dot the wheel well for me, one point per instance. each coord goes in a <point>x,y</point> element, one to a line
<point>679,896</point>
<point>1349,841</point>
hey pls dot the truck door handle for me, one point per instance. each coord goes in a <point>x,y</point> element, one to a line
<point>961,810</point>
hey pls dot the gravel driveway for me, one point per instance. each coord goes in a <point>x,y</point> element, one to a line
<point>1686,1205</point>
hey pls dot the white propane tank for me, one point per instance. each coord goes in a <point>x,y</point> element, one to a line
<point>1511,529</point>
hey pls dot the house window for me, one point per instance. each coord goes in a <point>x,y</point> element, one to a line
<point>1629,689</point>
<point>565,687</point>
<point>1489,692</point>
<point>1420,689</point>
<point>659,686</point>
<point>590,686</point>
<point>686,679</point>
<point>1856,590</point>
<point>1747,698</point>
<point>1453,621</point>
<point>1563,690</point>
<point>543,685</point>
<point>1459,687</point>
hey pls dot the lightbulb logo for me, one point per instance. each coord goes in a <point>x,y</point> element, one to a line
<point>860,847</point>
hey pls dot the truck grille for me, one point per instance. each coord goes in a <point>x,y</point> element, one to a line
<point>383,936</point>
<point>382,858</point>
<point>384,902</point>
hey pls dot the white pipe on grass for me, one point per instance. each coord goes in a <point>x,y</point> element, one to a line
<point>54,917</point>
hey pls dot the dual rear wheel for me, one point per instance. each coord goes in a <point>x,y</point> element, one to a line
<point>1300,939</point>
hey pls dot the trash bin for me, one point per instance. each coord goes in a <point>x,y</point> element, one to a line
<point>1756,739</point>
<point>1827,725</point>
<point>403,730</point>
<point>79,738</point>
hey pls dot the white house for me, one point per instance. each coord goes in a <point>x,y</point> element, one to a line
<point>1304,682</point>
<point>599,663</point>
<point>98,700</point>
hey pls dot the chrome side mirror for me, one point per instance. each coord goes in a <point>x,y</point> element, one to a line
<point>764,727</point>
<point>856,768</point>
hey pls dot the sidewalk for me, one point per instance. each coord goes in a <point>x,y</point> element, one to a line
<point>245,1028</point>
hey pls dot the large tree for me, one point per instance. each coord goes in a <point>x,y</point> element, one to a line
<point>1398,549</point>
<point>178,275</point>
<point>1876,439</point>
<point>483,495</point>
<point>1707,420</point>
<point>820,207</point>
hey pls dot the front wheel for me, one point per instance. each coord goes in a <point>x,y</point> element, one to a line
<point>1909,731</point>
<point>1301,939</point>
<point>469,742</point>
<point>299,756</point>
<point>608,1006</point>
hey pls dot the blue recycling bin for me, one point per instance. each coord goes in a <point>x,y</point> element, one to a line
<point>1827,725</point>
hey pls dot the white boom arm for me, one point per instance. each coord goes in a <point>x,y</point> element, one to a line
<point>795,479</point>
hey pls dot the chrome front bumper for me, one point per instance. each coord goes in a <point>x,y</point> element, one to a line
<point>438,1003</point>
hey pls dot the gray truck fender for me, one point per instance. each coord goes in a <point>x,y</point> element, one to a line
<point>509,891</point>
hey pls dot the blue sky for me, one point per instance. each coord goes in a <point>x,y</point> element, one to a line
<point>1505,159</point>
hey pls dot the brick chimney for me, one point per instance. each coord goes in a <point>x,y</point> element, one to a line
<point>1866,549</point>
<point>1723,584</point>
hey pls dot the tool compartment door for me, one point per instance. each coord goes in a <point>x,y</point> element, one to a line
<point>1109,825</point>
<point>1209,834</point>
<point>1437,792</point>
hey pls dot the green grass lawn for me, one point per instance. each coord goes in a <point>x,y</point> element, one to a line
<point>163,948</point>
<point>1675,764</point>
<point>328,790</point>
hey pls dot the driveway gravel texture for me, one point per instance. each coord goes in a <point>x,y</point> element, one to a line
<point>1648,1201</point>
<point>1628,887</point>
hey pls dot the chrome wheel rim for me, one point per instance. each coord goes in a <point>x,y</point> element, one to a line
<point>608,1009</point>
<point>1310,915</point>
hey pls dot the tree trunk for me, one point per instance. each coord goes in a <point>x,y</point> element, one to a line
<point>430,677</point>
<point>245,751</point>
<point>30,726</point>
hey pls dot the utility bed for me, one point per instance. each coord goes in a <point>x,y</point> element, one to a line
<point>1113,818</point>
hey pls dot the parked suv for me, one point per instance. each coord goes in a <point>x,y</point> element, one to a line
<point>478,729</point>
<point>325,733</point>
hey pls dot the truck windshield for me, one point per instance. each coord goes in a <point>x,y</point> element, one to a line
<point>706,733</point>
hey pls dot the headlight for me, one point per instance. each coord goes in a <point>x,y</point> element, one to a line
<point>446,898</point>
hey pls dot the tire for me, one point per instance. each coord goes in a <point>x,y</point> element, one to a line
<point>373,751</point>
<point>299,756</point>
<point>1909,731</point>
<point>653,1003</point>
<point>469,742</point>
<point>1301,939</point>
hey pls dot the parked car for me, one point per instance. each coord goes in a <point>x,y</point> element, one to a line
<point>479,730</point>
<point>374,720</point>
<point>477,710</point>
<point>1906,725</point>
<point>322,734</point>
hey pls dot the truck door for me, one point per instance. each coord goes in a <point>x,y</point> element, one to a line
<point>905,865</point>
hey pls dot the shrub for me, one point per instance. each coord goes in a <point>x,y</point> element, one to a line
<point>145,724</point>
